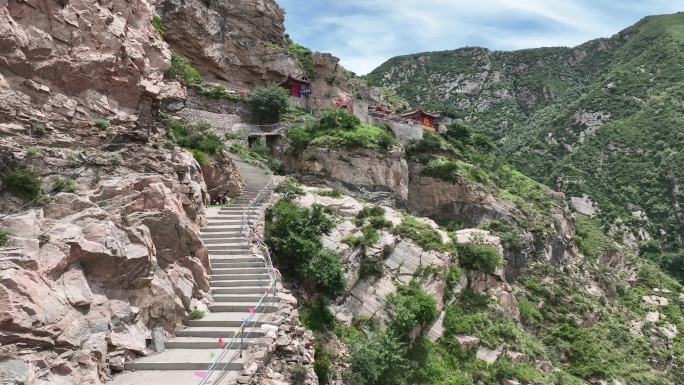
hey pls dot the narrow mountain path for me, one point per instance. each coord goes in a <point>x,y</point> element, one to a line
<point>239,278</point>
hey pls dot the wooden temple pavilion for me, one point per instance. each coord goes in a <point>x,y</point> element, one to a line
<point>297,87</point>
<point>426,119</point>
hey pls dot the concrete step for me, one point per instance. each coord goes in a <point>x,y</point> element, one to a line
<point>171,377</point>
<point>237,265</point>
<point>186,359</point>
<point>221,222</point>
<point>218,290</point>
<point>235,283</point>
<point>218,332</point>
<point>246,258</point>
<point>227,250</point>
<point>231,277</point>
<point>251,298</point>
<point>241,307</point>
<point>210,343</point>
<point>221,230</point>
<point>230,218</point>
<point>227,241</point>
<point>229,320</point>
<point>239,270</point>
<point>213,251</point>
<point>231,234</point>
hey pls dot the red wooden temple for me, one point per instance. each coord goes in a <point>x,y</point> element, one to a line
<point>295,86</point>
<point>421,117</point>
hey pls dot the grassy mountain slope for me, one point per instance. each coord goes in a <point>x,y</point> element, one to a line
<point>603,118</point>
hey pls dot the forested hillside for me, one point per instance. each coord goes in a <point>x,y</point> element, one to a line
<point>602,119</point>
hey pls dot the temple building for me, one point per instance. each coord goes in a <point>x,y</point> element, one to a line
<point>427,120</point>
<point>297,87</point>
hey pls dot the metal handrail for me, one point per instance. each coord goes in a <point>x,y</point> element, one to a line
<point>250,234</point>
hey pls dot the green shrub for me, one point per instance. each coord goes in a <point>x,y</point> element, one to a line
<point>303,55</point>
<point>314,315</point>
<point>102,124</point>
<point>196,314</point>
<point>182,71</point>
<point>445,169</point>
<point>158,24</point>
<point>377,361</point>
<point>32,151</point>
<point>371,267</point>
<point>44,238</point>
<point>422,234</point>
<point>352,241</point>
<point>294,235</point>
<point>269,103</point>
<point>298,374</point>
<point>45,199</point>
<point>4,236</point>
<point>484,258</point>
<point>370,235</point>
<point>114,160</point>
<point>65,185</point>
<point>197,136</point>
<point>335,127</point>
<point>333,193</point>
<point>322,364</point>
<point>289,187</point>
<point>370,211</point>
<point>311,156</point>
<point>22,182</point>
<point>408,307</point>
<point>325,269</point>
<point>40,129</point>
<point>71,159</point>
<point>200,156</point>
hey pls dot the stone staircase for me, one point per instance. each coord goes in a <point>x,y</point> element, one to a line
<point>238,280</point>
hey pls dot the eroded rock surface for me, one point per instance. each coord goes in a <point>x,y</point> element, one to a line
<point>237,41</point>
<point>84,281</point>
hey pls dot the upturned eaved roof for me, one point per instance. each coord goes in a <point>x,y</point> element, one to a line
<point>410,113</point>
<point>290,79</point>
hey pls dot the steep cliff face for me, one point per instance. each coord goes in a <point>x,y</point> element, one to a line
<point>334,84</point>
<point>237,41</point>
<point>66,65</point>
<point>376,177</point>
<point>87,280</point>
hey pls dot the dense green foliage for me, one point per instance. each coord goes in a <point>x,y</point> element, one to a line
<point>182,71</point>
<point>269,103</point>
<point>602,119</point>
<point>197,136</point>
<point>422,234</point>
<point>65,185</point>
<point>484,258</point>
<point>303,55</point>
<point>409,307</point>
<point>4,236</point>
<point>335,127</point>
<point>22,182</point>
<point>293,233</point>
<point>158,24</point>
<point>467,156</point>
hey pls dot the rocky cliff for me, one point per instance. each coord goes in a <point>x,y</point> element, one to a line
<point>554,321</point>
<point>94,278</point>
<point>555,111</point>
<point>63,65</point>
<point>107,261</point>
<point>238,41</point>
<point>371,175</point>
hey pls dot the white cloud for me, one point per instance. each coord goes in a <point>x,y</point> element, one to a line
<point>365,33</point>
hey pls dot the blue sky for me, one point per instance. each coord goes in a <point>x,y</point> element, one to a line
<point>365,33</point>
